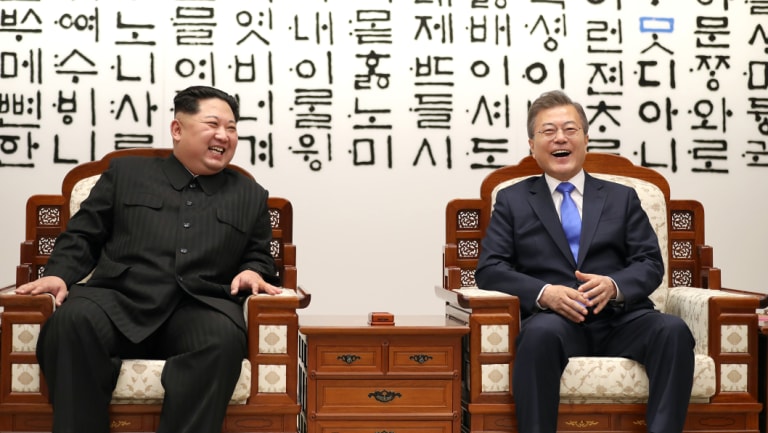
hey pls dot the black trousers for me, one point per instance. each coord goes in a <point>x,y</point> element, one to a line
<point>661,342</point>
<point>80,353</point>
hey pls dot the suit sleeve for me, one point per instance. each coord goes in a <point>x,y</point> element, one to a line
<point>644,267</point>
<point>78,248</point>
<point>257,256</point>
<point>496,269</point>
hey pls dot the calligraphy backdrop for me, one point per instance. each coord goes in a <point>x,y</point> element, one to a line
<point>371,115</point>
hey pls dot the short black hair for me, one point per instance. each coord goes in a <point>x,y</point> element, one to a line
<point>188,100</point>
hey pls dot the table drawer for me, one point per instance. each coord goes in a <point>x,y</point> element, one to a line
<point>384,425</point>
<point>362,359</point>
<point>421,359</point>
<point>384,396</point>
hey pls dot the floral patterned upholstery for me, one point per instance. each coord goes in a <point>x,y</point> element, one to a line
<point>139,383</point>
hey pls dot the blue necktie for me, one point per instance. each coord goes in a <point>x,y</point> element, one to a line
<point>569,217</point>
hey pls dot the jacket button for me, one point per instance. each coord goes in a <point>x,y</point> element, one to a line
<point>183,251</point>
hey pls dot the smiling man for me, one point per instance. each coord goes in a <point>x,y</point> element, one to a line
<point>175,245</point>
<point>582,256</point>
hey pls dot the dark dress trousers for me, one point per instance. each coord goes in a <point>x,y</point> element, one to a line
<point>525,248</point>
<point>164,247</point>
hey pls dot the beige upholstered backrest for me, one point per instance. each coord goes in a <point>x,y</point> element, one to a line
<point>80,192</point>
<point>652,200</point>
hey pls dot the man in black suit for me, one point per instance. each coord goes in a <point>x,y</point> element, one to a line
<point>175,245</point>
<point>583,288</point>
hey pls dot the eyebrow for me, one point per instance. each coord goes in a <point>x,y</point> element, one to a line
<point>217,118</point>
<point>568,122</point>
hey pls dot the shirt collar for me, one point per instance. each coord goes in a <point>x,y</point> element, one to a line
<point>577,181</point>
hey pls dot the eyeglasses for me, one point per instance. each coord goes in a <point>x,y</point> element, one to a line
<point>550,133</point>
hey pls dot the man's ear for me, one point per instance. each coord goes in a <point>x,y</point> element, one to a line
<point>175,129</point>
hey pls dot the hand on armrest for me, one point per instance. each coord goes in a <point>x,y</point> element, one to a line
<point>51,284</point>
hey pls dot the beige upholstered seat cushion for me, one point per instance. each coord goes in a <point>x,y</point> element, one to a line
<point>139,383</point>
<point>620,380</point>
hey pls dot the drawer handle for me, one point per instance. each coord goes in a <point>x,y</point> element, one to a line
<point>384,396</point>
<point>420,358</point>
<point>348,359</point>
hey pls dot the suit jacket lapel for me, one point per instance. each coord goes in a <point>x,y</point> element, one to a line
<point>594,200</point>
<point>542,204</point>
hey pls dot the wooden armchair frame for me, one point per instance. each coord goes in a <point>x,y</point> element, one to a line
<point>690,263</point>
<point>47,216</point>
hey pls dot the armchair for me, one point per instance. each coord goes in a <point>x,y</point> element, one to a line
<point>601,393</point>
<point>265,398</point>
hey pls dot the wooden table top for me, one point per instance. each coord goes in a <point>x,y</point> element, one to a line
<point>358,324</point>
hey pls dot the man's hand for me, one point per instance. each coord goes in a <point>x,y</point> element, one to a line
<point>53,285</point>
<point>565,301</point>
<point>251,281</point>
<point>597,289</point>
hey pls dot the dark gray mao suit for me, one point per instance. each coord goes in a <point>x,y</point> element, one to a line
<point>164,247</point>
<point>525,248</point>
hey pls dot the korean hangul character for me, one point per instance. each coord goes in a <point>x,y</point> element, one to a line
<point>372,117</point>
<point>709,151</point>
<point>309,150</point>
<point>367,151</point>
<point>478,30</point>
<point>375,27</point>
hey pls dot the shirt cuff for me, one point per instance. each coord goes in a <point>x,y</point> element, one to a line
<point>541,292</point>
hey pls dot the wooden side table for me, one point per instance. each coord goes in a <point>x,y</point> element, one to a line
<point>355,377</point>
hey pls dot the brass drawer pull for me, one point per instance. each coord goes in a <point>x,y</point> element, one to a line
<point>384,396</point>
<point>348,359</point>
<point>420,358</point>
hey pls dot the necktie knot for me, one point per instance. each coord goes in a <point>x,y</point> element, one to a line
<point>565,188</point>
<point>570,218</point>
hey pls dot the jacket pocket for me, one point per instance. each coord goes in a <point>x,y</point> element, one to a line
<point>232,219</point>
<point>107,269</point>
<point>143,200</point>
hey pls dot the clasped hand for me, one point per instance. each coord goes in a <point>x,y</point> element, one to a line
<point>594,292</point>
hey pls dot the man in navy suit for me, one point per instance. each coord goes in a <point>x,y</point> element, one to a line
<point>175,245</point>
<point>582,294</point>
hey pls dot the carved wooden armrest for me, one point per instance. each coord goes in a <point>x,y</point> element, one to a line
<point>724,325</point>
<point>494,323</point>
<point>42,304</point>
<point>273,327</point>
